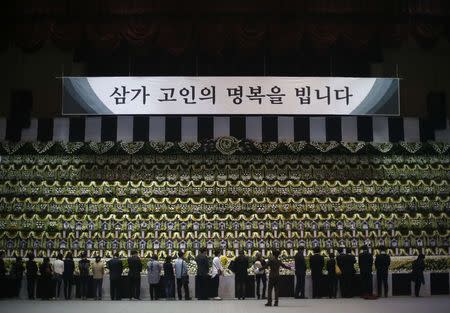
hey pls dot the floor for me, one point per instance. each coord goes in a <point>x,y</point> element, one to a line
<point>435,304</point>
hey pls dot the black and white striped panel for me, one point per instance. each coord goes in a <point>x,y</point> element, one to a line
<point>257,128</point>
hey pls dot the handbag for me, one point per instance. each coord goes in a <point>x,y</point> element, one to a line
<point>232,267</point>
<point>338,270</point>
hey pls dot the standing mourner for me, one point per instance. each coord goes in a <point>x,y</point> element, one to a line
<point>98,271</point>
<point>83,266</point>
<point>169,278</point>
<point>350,261</point>
<point>274,265</point>
<point>418,266</point>
<point>32,271</point>
<point>115,267</point>
<point>346,264</point>
<point>202,274</point>
<point>182,276</point>
<point>260,275</point>
<point>365,262</point>
<point>58,268</point>
<point>134,275</point>
<point>154,274</point>
<point>69,268</point>
<point>382,263</point>
<point>16,273</point>
<point>340,263</point>
<point>332,279</point>
<point>241,272</point>
<point>300,273</point>
<point>46,279</point>
<point>2,274</point>
<point>316,263</point>
<point>216,272</point>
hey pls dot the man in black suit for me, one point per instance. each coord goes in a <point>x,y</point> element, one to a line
<point>69,269</point>
<point>340,263</point>
<point>300,273</point>
<point>241,274</point>
<point>115,274</point>
<point>350,262</point>
<point>365,262</point>
<point>316,263</point>
<point>274,264</point>
<point>202,274</point>
<point>346,264</point>
<point>382,262</point>
<point>32,275</point>
<point>2,275</point>
<point>332,280</point>
<point>134,275</point>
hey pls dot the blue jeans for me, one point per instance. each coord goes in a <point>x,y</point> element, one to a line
<point>58,280</point>
<point>84,283</point>
<point>169,287</point>
<point>98,285</point>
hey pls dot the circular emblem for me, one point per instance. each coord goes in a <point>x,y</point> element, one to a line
<point>227,145</point>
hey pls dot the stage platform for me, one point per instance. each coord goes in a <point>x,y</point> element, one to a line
<point>435,304</point>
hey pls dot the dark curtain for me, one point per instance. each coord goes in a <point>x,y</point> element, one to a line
<point>214,27</point>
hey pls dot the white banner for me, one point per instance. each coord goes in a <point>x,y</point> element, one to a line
<point>230,96</point>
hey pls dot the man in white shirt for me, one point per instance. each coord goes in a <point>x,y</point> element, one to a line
<point>216,272</point>
<point>58,269</point>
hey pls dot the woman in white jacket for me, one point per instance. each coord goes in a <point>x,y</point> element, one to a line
<point>216,272</point>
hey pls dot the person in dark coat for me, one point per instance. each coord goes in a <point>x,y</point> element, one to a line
<point>350,261</point>
<point>346,263</point>
<point>83,266</point>
<point>169,278</point>
<point>382,263</point>
<point>115,267</point>
<point>300,273</point>
<point>340,261</point>
<point>2,275</point>
<point>331,276</point>
<point>32,271</point>
<point>69,268</point>
<point>241,271</point>
<point>202,274</point>
<point>46,272</point>
<point>134,275</point>
<point>316,263</point>
<point>274,265</point>
<point>16,273</point>
<point>365,262</point>
<point>350,272</point>
<point>418,266</point>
